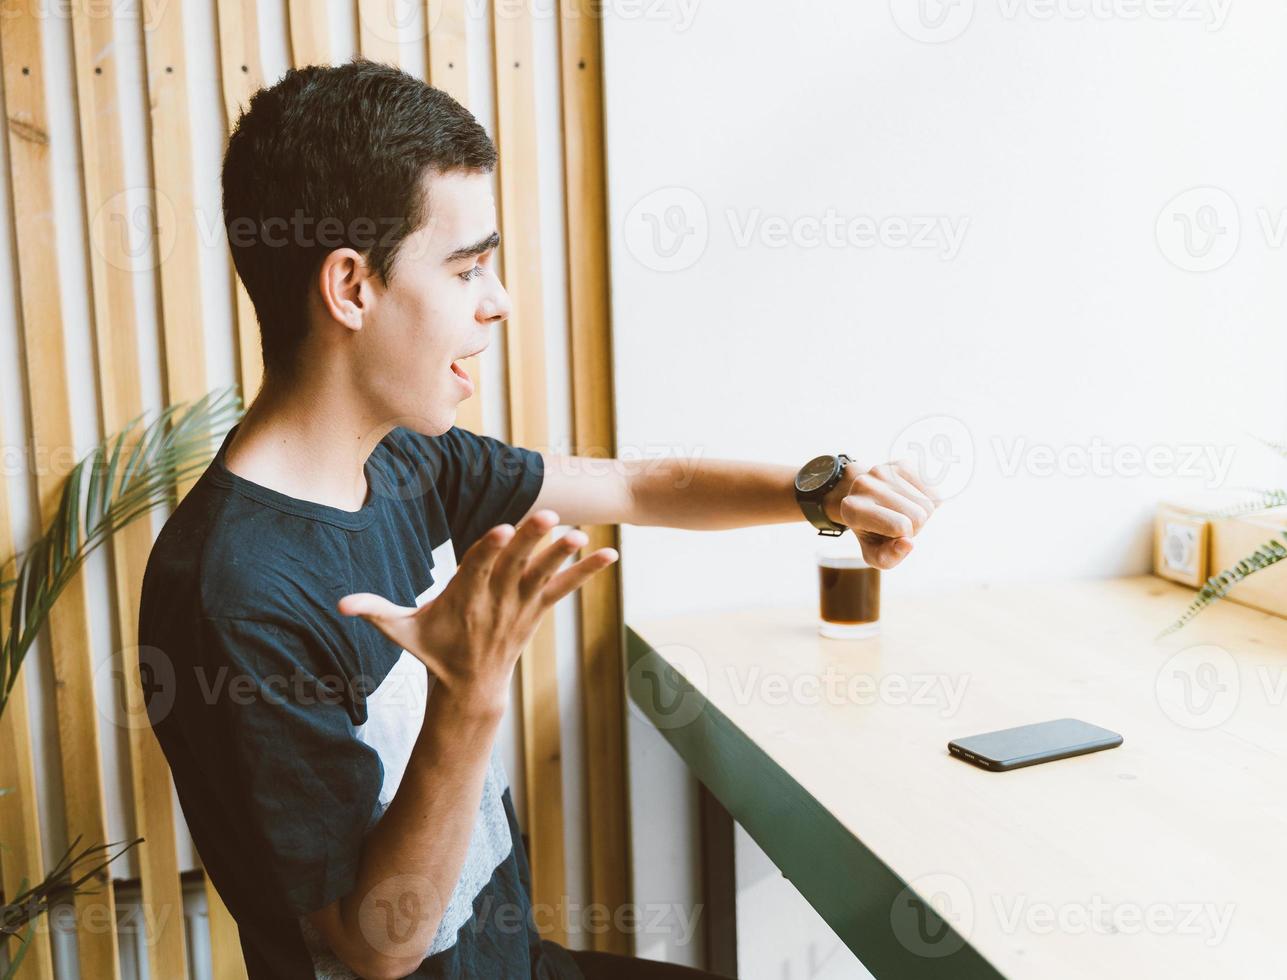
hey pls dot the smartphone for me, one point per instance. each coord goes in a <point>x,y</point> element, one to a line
<point>1027,745</point>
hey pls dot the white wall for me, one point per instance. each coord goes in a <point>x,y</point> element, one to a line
<point>1069,327</point>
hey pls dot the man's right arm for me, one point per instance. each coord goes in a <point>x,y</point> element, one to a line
<point>469,637</point>
<point>413,857</point>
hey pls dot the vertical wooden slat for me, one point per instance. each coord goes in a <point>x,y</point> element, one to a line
<point>226,959</point>
<point>30,197</point>
<point>20,860</point>
<point>448,48</point>
<point>379,38</point>
<point>529,426</point>
<point>594,434</point>
<point>104,185</point>
<point>49,401</point>
<point>184,351</point>
<point>310,33</point>
<point>177,233</point>
<point>241,74</point>
<point>120,396</point>
<point>20,819</point>
<point>449,71</point>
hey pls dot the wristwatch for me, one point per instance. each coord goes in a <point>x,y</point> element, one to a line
<point>813,483</point>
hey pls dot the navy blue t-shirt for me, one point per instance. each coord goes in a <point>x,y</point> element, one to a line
<point>288,726</point>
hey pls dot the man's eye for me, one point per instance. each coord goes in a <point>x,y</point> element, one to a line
<point>471,273</point>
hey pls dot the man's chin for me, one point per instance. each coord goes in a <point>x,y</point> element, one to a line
<point>433,421</point>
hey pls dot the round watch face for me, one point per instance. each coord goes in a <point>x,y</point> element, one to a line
<point>815,473</point>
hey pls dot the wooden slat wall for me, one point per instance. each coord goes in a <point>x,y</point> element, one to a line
<point>120,392</point>
<point>183,326</point>
<point>103,176</point>
<point>183,341</point>
<point>120,400</point>
<point>529,426</point>
<point>50,404</point>
<point>448,48</point>
<point>594,434</point>
<point>28,144</point>
<point>115,318</point>
<point>21,863</point>
<point>379,37</point>
<point>310,33</point>
<point>19,816</point>
<point>449,71</point>
<point>241,74</point>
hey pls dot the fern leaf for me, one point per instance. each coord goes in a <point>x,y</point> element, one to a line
<point>123,478</point>
<point>1218,586</point>
<point>1279,447</point>
<point>1265,500</point>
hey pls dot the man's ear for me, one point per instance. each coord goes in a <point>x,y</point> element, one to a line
<point>345,282</point>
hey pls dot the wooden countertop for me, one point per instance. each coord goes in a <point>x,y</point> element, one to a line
<point>1165,857</point>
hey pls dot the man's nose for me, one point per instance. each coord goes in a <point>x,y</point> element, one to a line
<point>495,307</point>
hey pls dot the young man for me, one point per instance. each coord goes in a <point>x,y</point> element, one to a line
<point>332,616</point>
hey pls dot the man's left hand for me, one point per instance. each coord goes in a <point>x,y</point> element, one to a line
<point>885,506</point>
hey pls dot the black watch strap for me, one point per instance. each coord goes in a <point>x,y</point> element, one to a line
<point>815,513</point>
<point>817,516</point>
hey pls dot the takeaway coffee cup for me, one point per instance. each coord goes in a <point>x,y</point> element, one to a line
<point>848,593</point>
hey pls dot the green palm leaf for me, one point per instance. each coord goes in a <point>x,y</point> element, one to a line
<point>1264,500</point>
<point>1279,447</point>
<point>24,944</point>
<point>62,883</point>
<point>1218,586</point>
<point>123,478</point>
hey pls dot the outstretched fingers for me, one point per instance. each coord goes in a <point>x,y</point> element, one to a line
<point>512,562</point>
<point>573,577</point>
<point>545,564</point>
<point>476,564</point>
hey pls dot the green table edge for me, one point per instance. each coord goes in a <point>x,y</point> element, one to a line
<point>813,850</point>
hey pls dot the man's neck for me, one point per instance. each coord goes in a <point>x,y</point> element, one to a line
<point>306,444</point>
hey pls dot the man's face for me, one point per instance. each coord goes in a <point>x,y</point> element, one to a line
<point>437,309</point>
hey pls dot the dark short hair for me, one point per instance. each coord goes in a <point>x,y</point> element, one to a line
<point>334,157</point>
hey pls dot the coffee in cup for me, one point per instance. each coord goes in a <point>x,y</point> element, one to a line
<point>848,595</point>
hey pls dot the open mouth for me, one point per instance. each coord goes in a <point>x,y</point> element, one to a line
<point>462,377</point>
<point>458,369</point>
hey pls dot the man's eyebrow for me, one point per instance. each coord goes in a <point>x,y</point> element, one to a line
<point>478,248</point>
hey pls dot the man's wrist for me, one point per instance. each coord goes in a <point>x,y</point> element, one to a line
<point>472,704</point>
<point>831,502</point>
